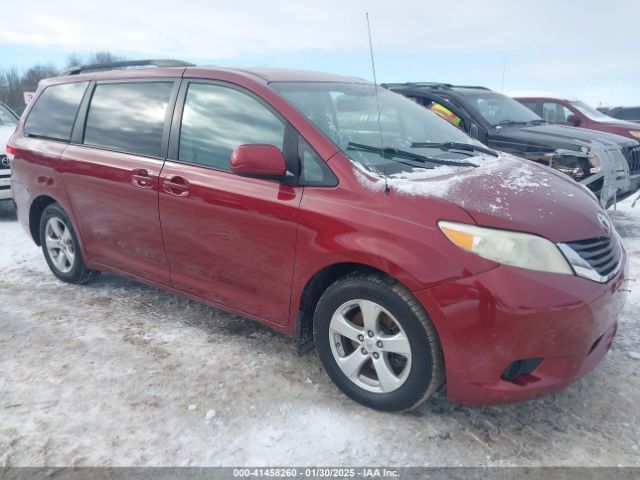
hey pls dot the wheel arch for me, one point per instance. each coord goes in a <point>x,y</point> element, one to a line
<point>35,213</point>
<point>313,290</point>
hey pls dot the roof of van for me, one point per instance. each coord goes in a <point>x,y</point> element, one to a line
<point>263,74</point>
<point>287,74</point>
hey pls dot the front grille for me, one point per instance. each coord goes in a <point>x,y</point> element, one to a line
<point>602,254</point>
<point>632,154</point>
<point>4,162</point>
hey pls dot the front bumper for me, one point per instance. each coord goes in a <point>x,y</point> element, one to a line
<point>490,320</point>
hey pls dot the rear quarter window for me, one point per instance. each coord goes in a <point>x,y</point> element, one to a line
<point>55,111</point>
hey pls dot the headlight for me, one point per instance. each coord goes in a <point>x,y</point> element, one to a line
<point>571,162</point>
<point>511,248</point>
<point>635,133</point>
<point>596,164</point>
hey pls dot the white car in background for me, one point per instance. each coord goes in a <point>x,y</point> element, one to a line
<point>8,122</point>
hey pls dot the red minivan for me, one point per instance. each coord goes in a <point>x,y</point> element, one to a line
<point>328,209</point>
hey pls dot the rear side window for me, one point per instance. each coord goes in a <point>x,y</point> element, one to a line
<point>55,111</point>
<point>218,119</point>
<point>128,116</point>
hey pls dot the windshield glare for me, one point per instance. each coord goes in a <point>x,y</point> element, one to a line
<point>348,113</point>
<point>591,112</point>
<point>6,117</point>
<point>499,109</point>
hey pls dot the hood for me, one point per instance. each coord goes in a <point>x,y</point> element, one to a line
<point>511,194</point>
<point>561,136</point>
<point>5,134</point>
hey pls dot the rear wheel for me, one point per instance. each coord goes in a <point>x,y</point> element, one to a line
<point>61,248</point>
<point>377,343</point>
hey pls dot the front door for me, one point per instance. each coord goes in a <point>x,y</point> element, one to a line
<point>229,239</point>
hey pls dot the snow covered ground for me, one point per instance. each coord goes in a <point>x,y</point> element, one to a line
<point>118,373</point>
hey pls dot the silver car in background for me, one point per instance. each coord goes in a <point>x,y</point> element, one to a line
<point>8,122</point>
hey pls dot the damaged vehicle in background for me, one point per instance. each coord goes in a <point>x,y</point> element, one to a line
<point>602,162</point>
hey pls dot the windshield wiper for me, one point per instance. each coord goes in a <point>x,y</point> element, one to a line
<point>503,123</point>
<point>538,121</point>
<point>389,152</point>
<point>465,147</point>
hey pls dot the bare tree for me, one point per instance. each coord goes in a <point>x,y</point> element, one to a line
<point>104,56</point>
<point>33,75</point>
<point>14,82</point>
<point>73,60</point>
<point>10,90</point>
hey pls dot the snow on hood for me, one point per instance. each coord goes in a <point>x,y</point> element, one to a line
<point>504,192</point>
<point>446,181</point>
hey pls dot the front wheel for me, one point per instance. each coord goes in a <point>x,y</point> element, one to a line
<point>377,343</point>
<point>61,248</point>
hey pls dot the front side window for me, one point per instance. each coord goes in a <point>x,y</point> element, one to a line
<point>347,113</point>
<point>128,116</point>
<point>218,119</point>
<point>555,112</point>
<point>55,110</point>
<point>313,170</point>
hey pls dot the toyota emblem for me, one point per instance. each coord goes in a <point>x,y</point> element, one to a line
<point>604,221</point>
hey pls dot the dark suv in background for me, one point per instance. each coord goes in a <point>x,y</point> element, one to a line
<point>631,114</point>
<point>603,162</point>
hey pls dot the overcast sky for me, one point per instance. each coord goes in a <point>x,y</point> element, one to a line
<point>580,49</point>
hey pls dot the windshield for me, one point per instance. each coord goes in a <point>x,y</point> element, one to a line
<point>591,112</point>
<point>499,109</point>
<point>6,116</point>
<point>347,113</point>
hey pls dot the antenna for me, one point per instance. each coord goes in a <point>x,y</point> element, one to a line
<point>504,71</point>
<point>375,84</point>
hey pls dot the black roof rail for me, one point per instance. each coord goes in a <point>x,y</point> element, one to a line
<point>434,85</point>
<point>478,87</point>
<point>125,64</point>
<point>418,84</point>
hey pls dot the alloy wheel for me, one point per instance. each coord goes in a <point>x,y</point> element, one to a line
<point>370,346</point>
<point>60,245</point>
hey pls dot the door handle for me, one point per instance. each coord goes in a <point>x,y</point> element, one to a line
<point>142,178</point>
<point>178,186</point>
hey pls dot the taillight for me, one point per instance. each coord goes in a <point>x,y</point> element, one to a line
<point>11,151</point>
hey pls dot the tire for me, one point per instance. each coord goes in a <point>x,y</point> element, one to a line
<point>397,368</point>
<point>61,247</point>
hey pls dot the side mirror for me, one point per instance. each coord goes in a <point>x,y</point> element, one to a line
<point>474,132</point>
<point>573,120</point>
<point>258,161</point>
